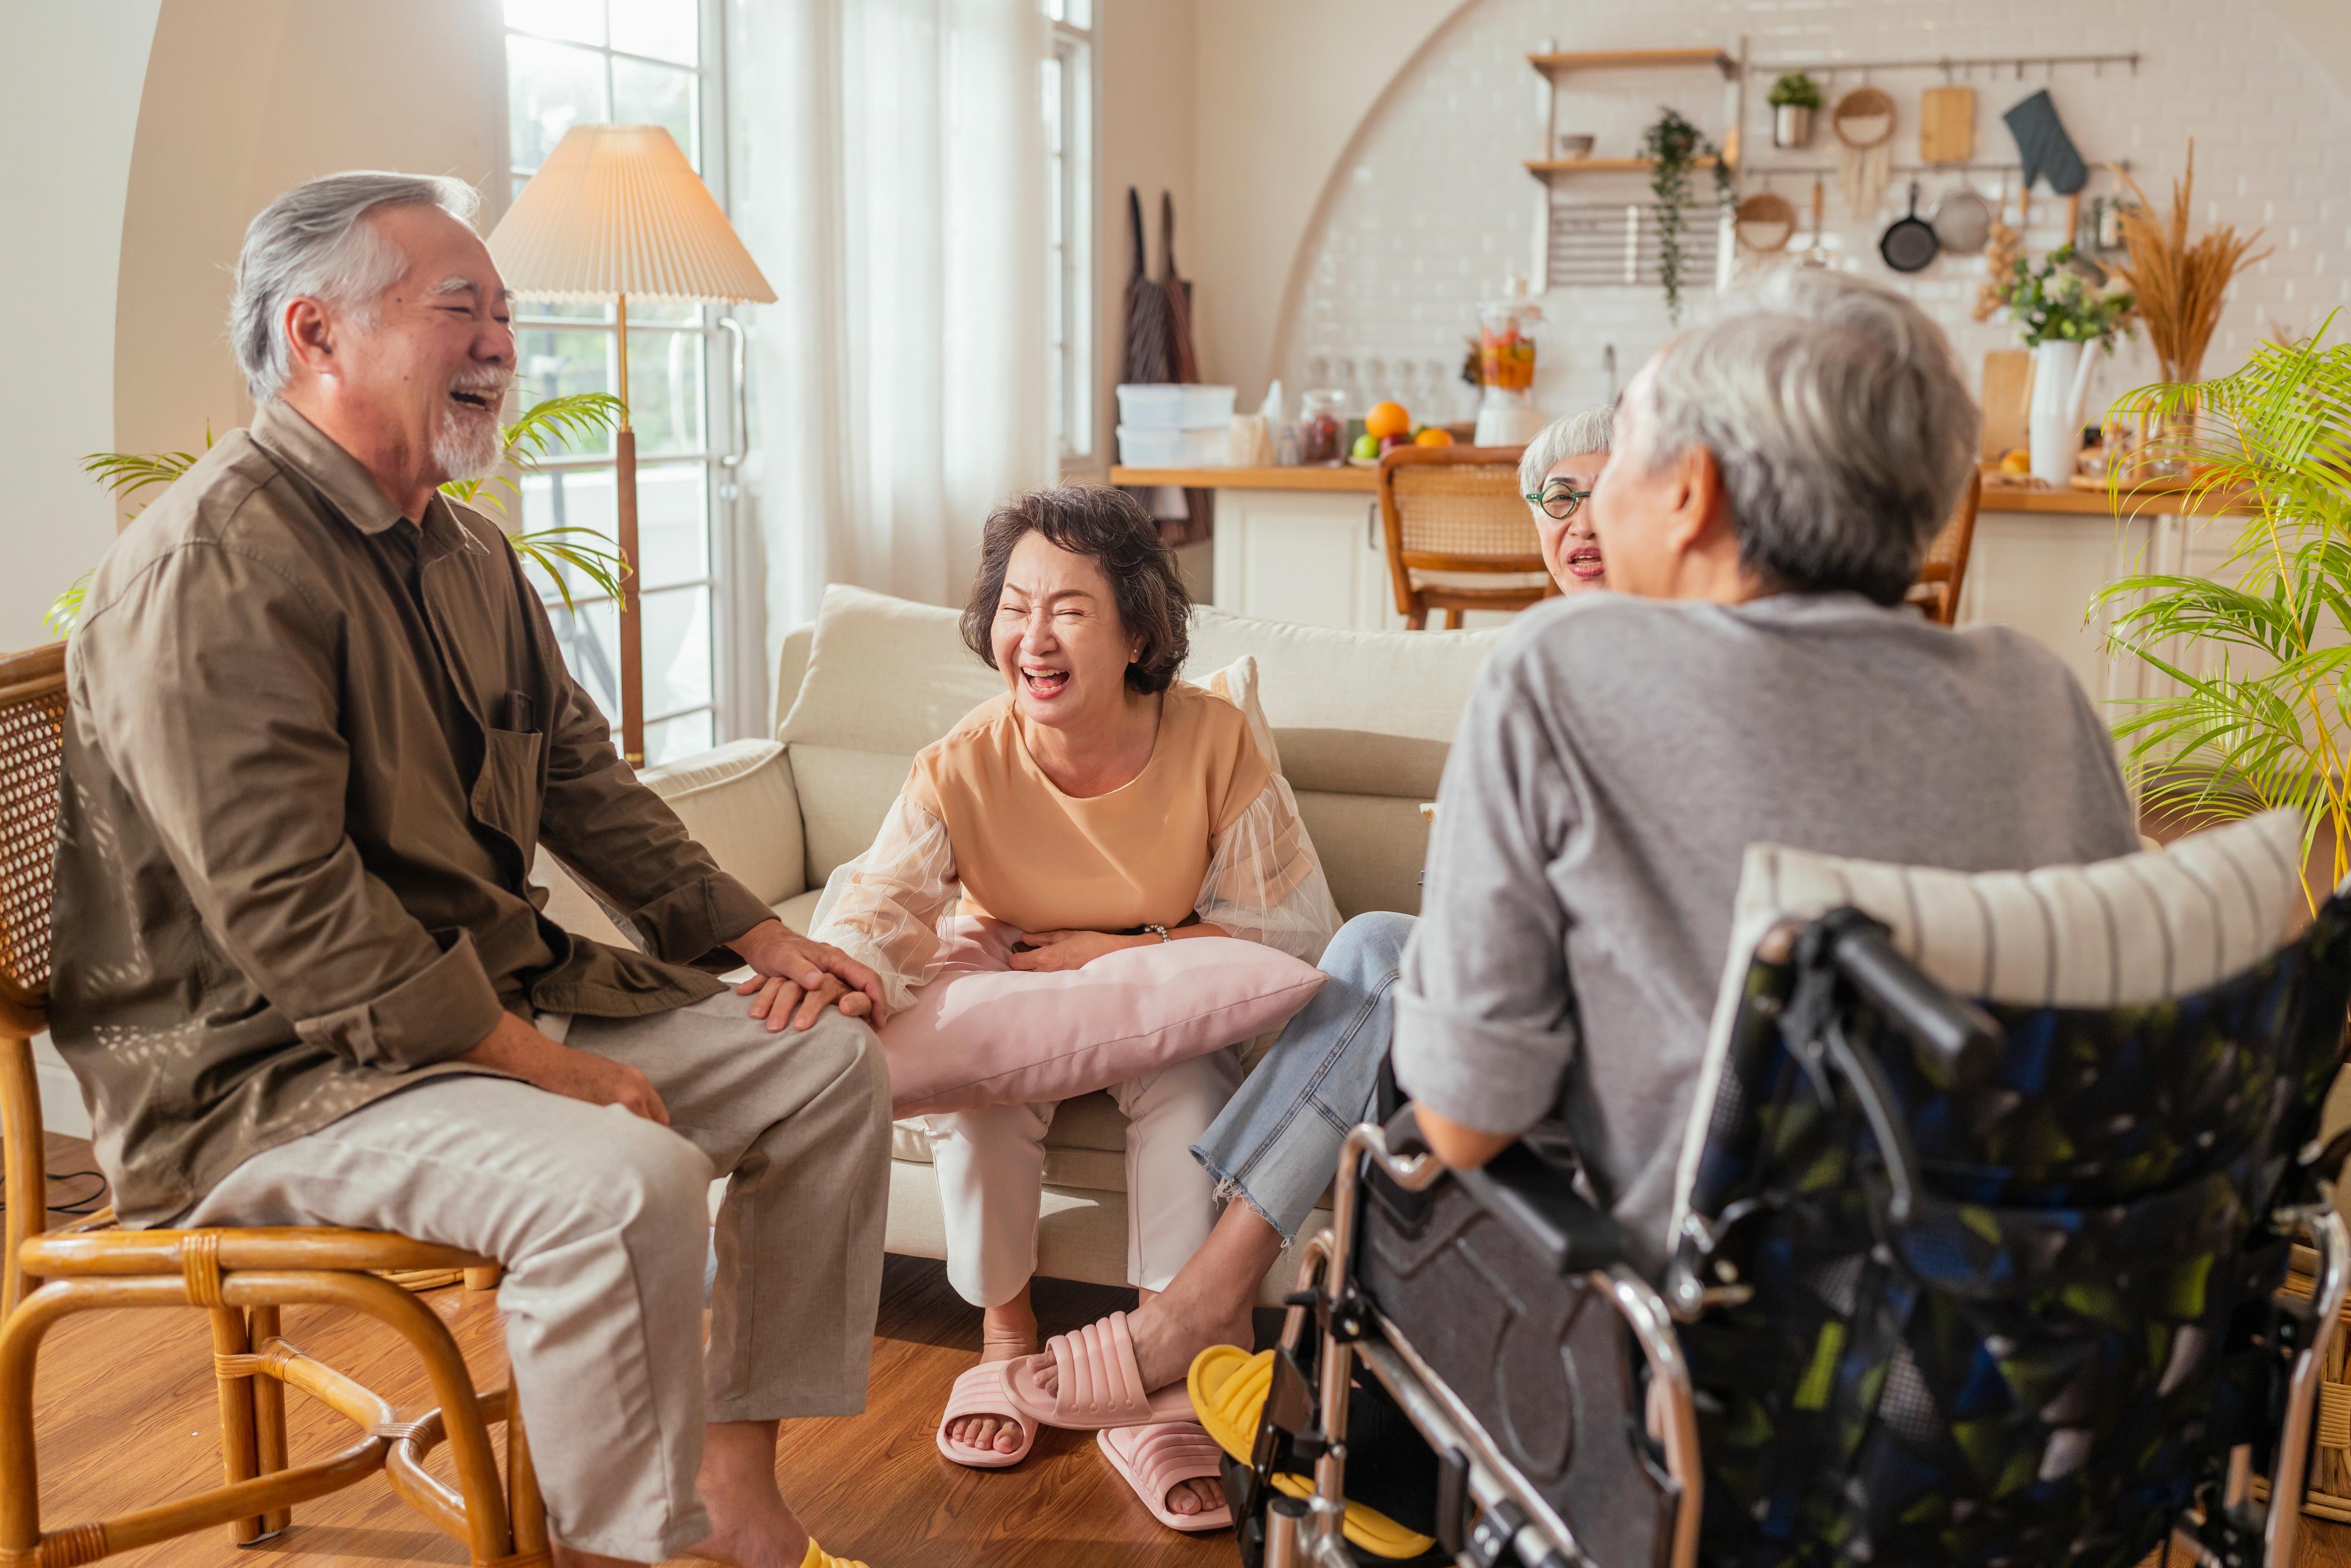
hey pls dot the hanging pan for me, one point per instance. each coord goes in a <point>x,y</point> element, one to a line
<point>1909,244</point>
<point>1962,221</point>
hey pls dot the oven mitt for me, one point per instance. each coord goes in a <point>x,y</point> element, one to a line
<point>2042,144</point>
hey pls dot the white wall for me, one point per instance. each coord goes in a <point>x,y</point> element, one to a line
<point>244,98</point>
<point>71,88</point>
<point>1147,98</point>
<point>1381,252</point>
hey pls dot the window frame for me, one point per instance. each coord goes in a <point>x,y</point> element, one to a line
<point>1071,200</point>
<point>735,604</point>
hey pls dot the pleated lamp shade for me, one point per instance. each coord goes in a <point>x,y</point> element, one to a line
<point>616,209</point>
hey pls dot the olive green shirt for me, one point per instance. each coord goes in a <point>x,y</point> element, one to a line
<point>311,749</point>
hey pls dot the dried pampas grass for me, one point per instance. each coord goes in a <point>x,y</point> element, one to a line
<point>2180,283</point>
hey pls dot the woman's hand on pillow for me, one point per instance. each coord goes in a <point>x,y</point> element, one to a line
<point>1056,950</point>
<point>781,1002</point>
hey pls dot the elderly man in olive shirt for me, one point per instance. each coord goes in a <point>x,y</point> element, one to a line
<point>320,726</point>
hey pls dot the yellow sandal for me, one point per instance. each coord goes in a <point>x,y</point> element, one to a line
<point>1228,1386</point>
<point>818,1557</point>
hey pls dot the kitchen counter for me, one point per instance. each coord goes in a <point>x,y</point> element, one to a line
<point>1306,544</point>
<point>1343,477</point>
<point>1346,478</point>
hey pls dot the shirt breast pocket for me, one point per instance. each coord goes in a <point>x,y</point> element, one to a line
<point>507,793</point>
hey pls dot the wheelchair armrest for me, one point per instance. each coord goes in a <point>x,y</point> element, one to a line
<point>1533,1200</point>
<point>1955,1033</point>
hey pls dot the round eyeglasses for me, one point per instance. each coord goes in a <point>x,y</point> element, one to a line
<point>1559,499</point>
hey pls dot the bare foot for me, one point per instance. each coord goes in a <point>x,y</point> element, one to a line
<point>1006,1333</point>
<point>750,1527</point>
<point>1195,1496</point>
<point>1170,1329</point>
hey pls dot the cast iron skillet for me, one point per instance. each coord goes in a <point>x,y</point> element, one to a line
<point>1909,244</point>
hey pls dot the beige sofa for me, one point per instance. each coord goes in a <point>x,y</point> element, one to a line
<point>1363,721</point>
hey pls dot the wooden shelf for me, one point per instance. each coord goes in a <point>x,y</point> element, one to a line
<point>1621,59</point>
<point>1305,477</point>
<point>1544,167</point>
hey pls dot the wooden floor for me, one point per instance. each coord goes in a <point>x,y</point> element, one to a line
<point>127,1417</point>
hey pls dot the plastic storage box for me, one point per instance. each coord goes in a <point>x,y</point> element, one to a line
<point>1168,405</point>
<point>1171,448</point>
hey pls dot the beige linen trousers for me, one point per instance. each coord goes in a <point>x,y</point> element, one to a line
<point>601,1219</point>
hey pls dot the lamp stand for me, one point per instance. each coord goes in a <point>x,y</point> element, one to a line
<point>632,649</point>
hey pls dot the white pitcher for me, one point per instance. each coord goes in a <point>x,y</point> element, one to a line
<point>2061,395</point>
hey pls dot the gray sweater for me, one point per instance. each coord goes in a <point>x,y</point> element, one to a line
<point>1617,759</point>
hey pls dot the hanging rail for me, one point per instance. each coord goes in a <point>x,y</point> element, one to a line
<point>1766,172</point>
<point>1947,64</point>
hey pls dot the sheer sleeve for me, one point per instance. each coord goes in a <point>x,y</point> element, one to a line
<point>883,908</point>
<point>1264,882</point>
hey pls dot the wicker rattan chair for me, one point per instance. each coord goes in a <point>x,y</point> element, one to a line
<point>1460,534</point>
<point>1936,591</point>
<point>241,1277</point>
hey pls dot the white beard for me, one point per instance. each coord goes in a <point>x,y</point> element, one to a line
<point>465,448</point>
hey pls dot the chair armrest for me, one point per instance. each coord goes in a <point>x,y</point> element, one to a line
<point>1534,1201</point>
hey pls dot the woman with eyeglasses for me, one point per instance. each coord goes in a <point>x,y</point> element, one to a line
<point>1557,472</point>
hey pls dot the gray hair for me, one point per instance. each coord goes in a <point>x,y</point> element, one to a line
<point>310,243</point>
<point>1838,417</point>
<point>1575,434</point>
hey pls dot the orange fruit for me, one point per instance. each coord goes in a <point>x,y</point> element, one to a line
<point>1387,419</point>
<point>1435,436</point>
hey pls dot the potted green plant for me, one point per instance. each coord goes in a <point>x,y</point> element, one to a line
<point>2261,654</point>
<point>1793,99</point>
<point>1674,146</point>
<point>2059,313</point>
<point>543,427</point>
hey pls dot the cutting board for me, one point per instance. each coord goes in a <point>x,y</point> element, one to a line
<point>2007,393</point>
<point>1947,124</point>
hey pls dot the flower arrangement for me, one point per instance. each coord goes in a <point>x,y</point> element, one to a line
<point>2179,282</point>
<point>2055,302</point>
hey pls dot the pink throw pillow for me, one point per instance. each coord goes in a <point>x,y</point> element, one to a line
<point>984,1033</point>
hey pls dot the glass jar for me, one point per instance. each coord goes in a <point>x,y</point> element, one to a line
<point>1321,426</point>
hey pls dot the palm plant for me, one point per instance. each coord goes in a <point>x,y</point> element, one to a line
<point>2268,723</point>
<point>542,430</point>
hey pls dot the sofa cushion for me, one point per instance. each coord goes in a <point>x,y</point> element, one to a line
<point>739,803</point>
<point>1085,1147</point>
<point>799,911</point>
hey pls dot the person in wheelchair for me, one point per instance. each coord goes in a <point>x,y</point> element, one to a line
<point>1776,477</point>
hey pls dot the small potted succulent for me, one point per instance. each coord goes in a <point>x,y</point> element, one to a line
<point>1793,99</point>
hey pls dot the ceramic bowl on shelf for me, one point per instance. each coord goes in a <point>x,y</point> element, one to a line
<point>1565,146</point>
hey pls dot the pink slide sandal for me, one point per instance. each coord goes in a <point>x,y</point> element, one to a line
<point>1098,1385</point>
<point>1156,1458</point>
<point>982,1391</point>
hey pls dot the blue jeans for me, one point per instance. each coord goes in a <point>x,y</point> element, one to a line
<point>1276,1144</point>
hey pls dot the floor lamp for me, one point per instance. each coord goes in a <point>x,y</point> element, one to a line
<point>617,210</point>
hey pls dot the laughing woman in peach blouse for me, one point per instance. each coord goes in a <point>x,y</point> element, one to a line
<point>1099,803</point>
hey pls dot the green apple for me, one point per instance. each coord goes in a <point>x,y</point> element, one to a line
<point>1367,446</point>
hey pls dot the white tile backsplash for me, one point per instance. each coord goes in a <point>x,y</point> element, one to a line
<point>1434,207</point>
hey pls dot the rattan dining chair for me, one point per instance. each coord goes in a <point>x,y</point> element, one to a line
<point>1460,534</point>
<point>241,1277</point>
<point>1945,571</point>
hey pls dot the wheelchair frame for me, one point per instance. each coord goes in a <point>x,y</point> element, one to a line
<point>1514,1523</point>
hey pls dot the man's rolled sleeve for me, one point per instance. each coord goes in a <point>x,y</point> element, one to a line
<point>442,1010</point>
<point>1485,1013</point>
<point>690,921</point>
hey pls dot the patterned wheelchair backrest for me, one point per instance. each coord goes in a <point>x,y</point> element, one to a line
<point>2038,1365</point>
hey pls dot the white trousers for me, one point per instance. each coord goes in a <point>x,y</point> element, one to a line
<point>991,1169</point>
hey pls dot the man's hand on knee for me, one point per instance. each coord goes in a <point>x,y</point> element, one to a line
<point>781,1002</point>
<point>806,968</point>
<point>516,1048</point>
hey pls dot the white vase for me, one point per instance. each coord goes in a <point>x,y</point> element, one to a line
<point>2054,422</point>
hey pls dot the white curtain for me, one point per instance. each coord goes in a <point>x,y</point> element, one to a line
<point>889,175</point>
